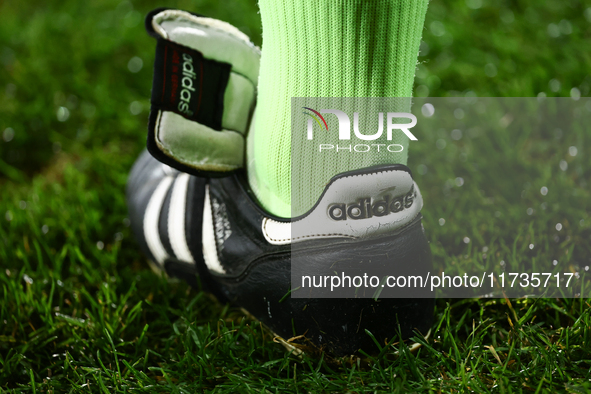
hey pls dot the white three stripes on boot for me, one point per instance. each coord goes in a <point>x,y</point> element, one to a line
<point>210,252</point>
<point>176,219</point>
<point>151,218</point>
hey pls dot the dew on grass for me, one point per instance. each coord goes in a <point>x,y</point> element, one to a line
<point>456,134</point>
<point>555,262</point>
<point>45,229</point>
<point>8,134</point>
<point>530,211</point>
<point>437,28</point>
<point>531,246</point>
<point>441,221</point>
<point>471,97</point>
<point>554,85</point>
<point>563,165</point>
<point>573,151</point>
<point>441,143</point>
<point>558,226</point>
<point>135,64</point>
<point>459,182</point>
<point>424,49</point>
<point>502,263</point>
<point>28,279</point>
<point>100,245</point>
<point>490,70</point>
<point>544,190</point>
<point>63,114</point>
<point>575,94</point>
<point>466,240</point>
<point>118,236</point>
<point>22,204</point>
<point>459,113</point>
<point>484,249</point>
<point>132,18</point>
<point>553,30</point>
<point>586,268</point>
<point>135,108</point>
<point>427,110</point>
<point>507,16</point>
<point>422,91</point>
<point>565,27</point>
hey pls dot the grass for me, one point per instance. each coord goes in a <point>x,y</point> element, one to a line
<point>81,312</point>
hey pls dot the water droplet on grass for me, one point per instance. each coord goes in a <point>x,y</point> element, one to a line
<point>135,108</point>
<point>441,221</point>
<point>565,27</point>
<point>8,134</point>
<point>544,190</point>
<point>490,70</point>
<point>45,229</point>
<point>507,16</point>
<point>63,114</point>
<point>553,30</point>
<point>427,110</point>
<point>563,165</point>
<point>573,151</point>
<point>100,245</point>
<point>135,64</point>
<point>437,28</point>
<point>554,85</point>
<point>456,134</point>
<point>466,240</point>
<point>558,226</point>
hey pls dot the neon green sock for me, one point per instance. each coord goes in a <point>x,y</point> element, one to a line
<point>325,48</point>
